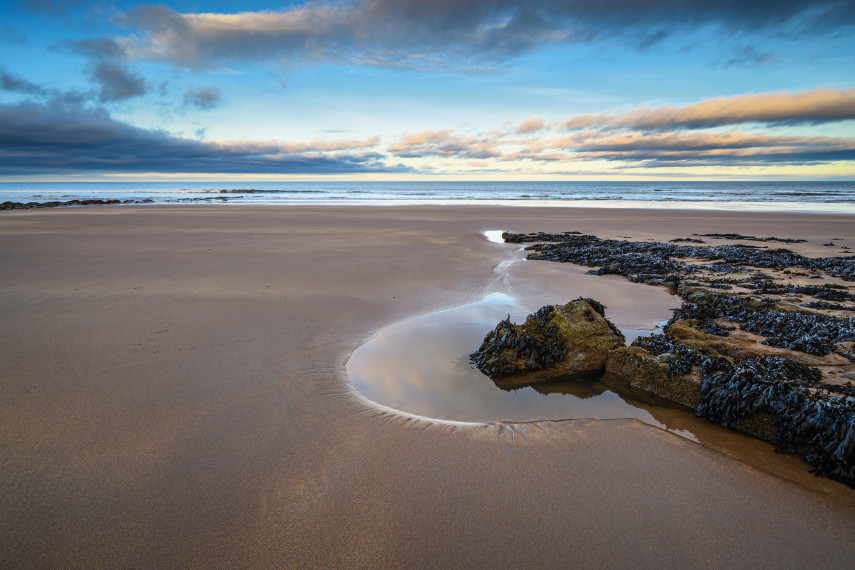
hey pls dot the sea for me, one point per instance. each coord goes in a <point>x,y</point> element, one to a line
<point>831,197</point>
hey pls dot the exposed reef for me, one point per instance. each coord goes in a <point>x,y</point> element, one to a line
<point>571,340</point>
<point>57,204</point>
<point>662,263</point>
<point>757,345</point>
<point>752,238</point>
<point>112,201</point>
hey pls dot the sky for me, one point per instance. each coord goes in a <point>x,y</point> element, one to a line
<point>427,90</point>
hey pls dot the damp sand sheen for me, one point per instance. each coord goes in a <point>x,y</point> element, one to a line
<point>195,404</point>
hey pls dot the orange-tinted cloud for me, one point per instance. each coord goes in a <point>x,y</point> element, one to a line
<point>819,106</point>
<point>444,144</point>
<point>531,125</point>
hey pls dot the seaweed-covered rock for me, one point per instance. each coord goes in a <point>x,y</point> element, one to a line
<point>651,262</point>
<point>748,361</point>
<point>654,374</point>
<point>791,329</point>
<point>806,419</point>
<point>564,340</point>
<point>56,204</point>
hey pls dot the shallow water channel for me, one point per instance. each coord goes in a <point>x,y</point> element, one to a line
<point>421,366</point>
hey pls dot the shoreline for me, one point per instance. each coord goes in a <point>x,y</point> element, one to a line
<point>173,385</point>
<point>835,208</point>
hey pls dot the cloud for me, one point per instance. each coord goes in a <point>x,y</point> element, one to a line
<point>415,33</point>
<point>713,144</point>
<point>748,55</point>
<point>725,149</point>
<point>47,6</point>
<point>116,81</point>
<point>14,83</point>
<point>652,39</point>
<point>721,149</point>
<point>55,137</point>
<point>108,68</point>
<point>17,84</point>
<point>678,148</point>
<point>444,144</point>
<point>56,132</point>
<point>204,98</point>
<point>12,34</point>
<point>807,107</point>
<point>531,125</point>
<point>97,48</point>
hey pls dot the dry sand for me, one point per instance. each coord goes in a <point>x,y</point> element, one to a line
<point>172,393</point>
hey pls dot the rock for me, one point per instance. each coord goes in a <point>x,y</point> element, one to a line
<point>571,340</point>
<point>648,372</point>
<point>764,359</point>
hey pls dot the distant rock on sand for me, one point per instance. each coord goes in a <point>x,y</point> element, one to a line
<point>571,340</point>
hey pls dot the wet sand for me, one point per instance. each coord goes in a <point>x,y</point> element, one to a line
<point>172,393</point>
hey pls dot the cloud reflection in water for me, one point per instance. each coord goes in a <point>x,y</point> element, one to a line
<point>420,365</point>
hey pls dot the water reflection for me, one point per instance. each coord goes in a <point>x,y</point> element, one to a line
<point>421,366</point>
<point>494,236</point>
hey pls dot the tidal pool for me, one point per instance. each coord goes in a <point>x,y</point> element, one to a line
<point>421,366</point>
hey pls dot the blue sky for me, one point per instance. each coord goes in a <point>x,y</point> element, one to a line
<point>408,89</point>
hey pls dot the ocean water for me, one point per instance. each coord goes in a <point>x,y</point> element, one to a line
<point>771,196</point>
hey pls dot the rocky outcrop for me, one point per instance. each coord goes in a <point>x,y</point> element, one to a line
<point>776,394</point>
<point>648,372</point>
<point>774,357</point>
<point>571,340</point>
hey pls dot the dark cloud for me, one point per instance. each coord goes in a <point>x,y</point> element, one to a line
<point>56,137</point>
<point>203,97</point>
<point>416,33</point>
<point>17,84</point>
<point>107,68</point>
<point>747,55</point>
<point>14,83</point>
<point>12,35</point>
<point>47,6</point>
<point>96,48</point>
<point>116,81</point>
<point>652,39</point>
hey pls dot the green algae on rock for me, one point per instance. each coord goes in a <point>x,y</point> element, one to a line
<point>650,373</point>
<point>571,340</point>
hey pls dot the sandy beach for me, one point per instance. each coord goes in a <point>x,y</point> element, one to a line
<point>173,393</point>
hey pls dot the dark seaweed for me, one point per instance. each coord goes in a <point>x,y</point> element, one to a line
<point>826,292</point>
<point>825,305</point>
<point>651,262</point>
<point>820,425</point>
<point>542,346</point>
<point>506,344</point>
<point>680,357</point>
<point>810,333</point>
<point>752,238</point>
<point>57,204</point>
